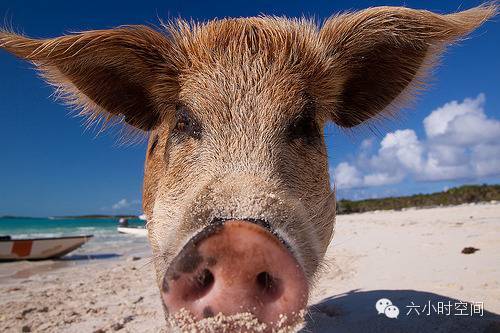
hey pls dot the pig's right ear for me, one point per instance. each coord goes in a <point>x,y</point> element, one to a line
<point>378,56</point>
<point>124,73</point>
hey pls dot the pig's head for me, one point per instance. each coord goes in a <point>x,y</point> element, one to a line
<point>237,195</point>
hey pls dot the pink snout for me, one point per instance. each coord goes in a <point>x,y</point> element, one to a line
<point>238,267</point>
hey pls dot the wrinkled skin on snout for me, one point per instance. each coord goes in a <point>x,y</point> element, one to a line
<point>237,195</point>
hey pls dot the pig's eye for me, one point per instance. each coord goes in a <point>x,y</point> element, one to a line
<point>304,128</point>
<point>185,124</point>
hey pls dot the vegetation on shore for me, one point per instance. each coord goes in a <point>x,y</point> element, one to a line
<point>453,196</point>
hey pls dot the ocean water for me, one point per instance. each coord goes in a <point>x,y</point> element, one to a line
<point>107,243</point>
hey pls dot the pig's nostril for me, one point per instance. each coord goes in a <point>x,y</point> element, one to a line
<point>204,282</point>
<point>269,285</point>
<point>200,286</point>
<point>266,282</point>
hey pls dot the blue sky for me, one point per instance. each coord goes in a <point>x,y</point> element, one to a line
<point>51,166</point>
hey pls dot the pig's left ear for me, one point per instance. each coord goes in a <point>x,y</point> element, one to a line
<point>123,73</point>
<point>379,55</point>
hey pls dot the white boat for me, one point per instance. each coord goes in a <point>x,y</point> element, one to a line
<point>39,248</point>
<point>133,231</point>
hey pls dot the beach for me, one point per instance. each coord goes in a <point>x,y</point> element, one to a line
<point>412,257</point>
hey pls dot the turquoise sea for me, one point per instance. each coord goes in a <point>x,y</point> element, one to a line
<point>107,243</point>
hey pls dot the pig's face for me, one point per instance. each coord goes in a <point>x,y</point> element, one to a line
<point>244,141</point>
<point>236,190</point>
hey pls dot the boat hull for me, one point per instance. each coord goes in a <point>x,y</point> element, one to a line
<point>40,248</point>
<point>133,231</point>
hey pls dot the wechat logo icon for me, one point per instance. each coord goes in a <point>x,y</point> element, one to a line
<point>385,306</point>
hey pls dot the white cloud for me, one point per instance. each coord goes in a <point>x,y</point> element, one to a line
<point>120,204</point>
<point>461,142</point>
<point>438,122</point>
<point>367,144</point>
<point>124,203</point>
<point>462,124</point>
<point>401,146</point>
<point>487,159</point>
<point>381,178</point>
<point>347,176</point>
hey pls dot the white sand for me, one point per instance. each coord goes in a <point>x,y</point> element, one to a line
<point>409,256</point>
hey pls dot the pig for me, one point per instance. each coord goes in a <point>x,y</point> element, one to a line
<point>240,209</point>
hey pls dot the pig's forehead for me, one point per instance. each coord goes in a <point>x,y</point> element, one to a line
<point>246,91</point>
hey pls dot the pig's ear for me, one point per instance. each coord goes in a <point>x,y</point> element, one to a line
<point>379,56</point>
<point>122,74</point>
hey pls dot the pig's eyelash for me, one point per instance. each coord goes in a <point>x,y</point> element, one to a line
<point>305,125</point>
<point>186,123</point>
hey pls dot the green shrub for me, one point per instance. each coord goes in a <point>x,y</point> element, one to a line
<point>453,196</point>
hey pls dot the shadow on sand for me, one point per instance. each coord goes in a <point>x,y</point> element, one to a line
<point>355,312</point>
